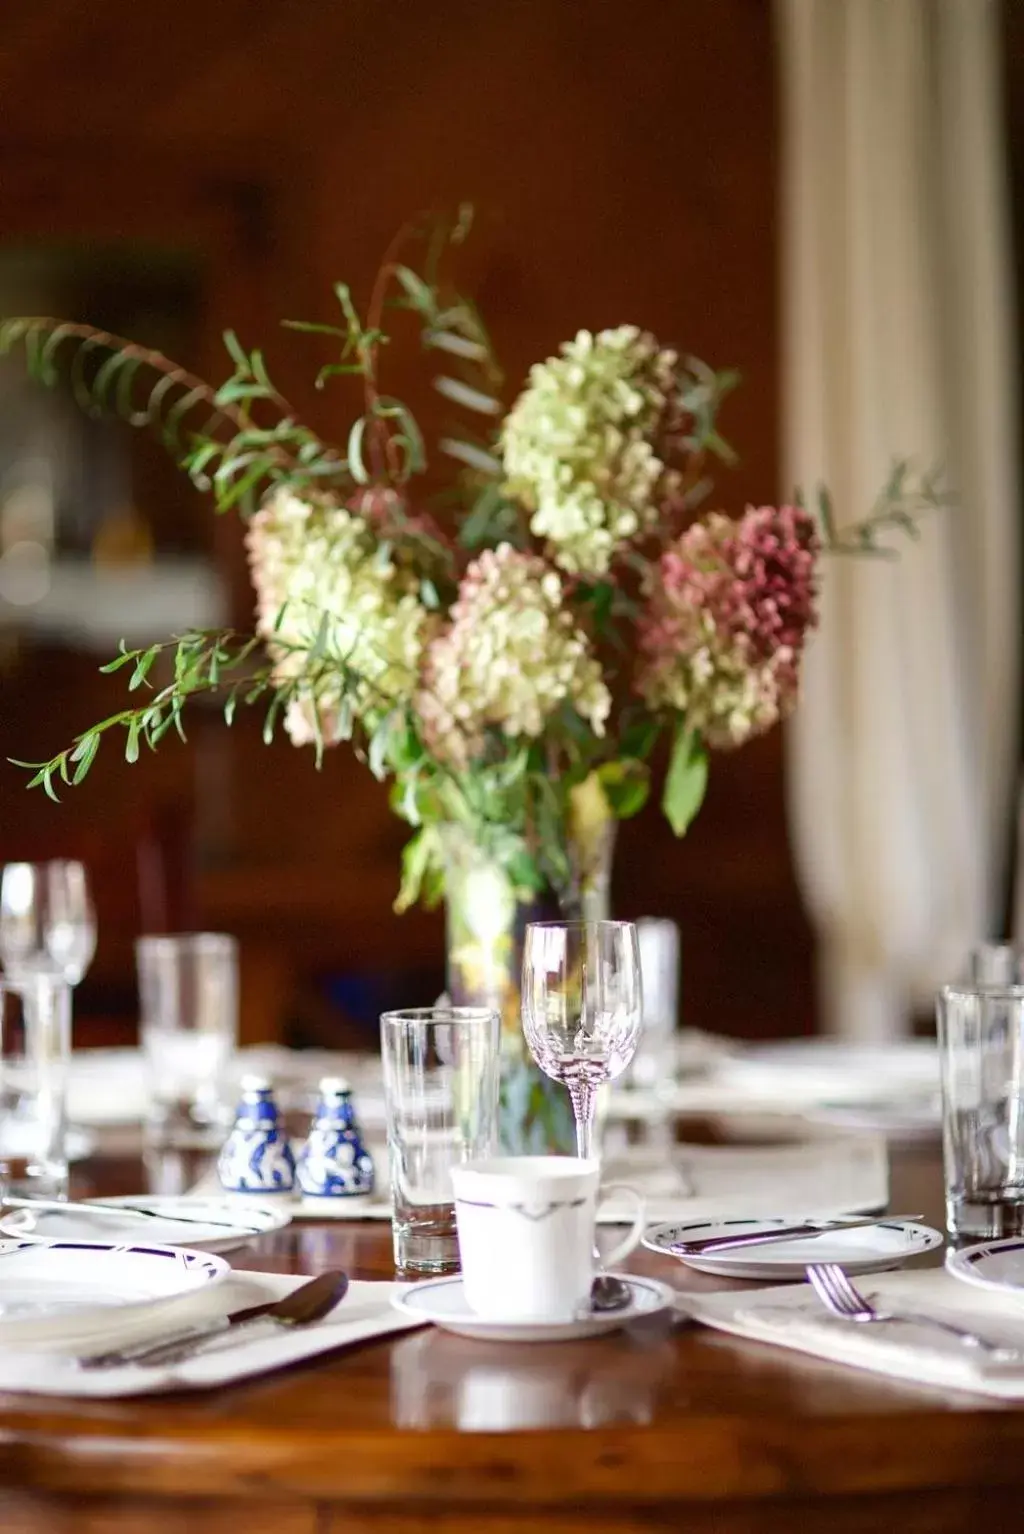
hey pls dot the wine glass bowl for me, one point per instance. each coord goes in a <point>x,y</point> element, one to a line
<point>582,1007</point>
<point>47,921</point>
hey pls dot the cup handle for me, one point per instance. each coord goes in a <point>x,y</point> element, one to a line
<point>632,1241</point>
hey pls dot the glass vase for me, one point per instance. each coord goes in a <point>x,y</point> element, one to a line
<point>486,923</point>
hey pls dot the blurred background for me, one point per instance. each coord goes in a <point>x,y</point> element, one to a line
<point>168,175</point>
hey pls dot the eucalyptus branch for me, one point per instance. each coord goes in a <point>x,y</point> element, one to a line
<point>230,453</point>
<point>903,501</point>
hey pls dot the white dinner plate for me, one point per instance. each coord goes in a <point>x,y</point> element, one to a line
<point>443,1301</point>
<point>871,1249</point>
<point>990,1264</point>
<point>223,1223</point>
<point>55,1289</point>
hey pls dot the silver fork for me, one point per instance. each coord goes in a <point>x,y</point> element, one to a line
<point>842,1298</point>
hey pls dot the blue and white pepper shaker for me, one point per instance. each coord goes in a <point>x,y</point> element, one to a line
<point>256,1156</point>
<point>335,1162</point>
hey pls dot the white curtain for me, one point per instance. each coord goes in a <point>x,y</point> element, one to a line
<point>899,341</point>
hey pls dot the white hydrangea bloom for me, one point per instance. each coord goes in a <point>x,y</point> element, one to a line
<point>580,444</point>
<point>510,657</point>
<point>311,559</point>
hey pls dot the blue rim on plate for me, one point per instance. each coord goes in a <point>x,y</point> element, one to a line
<point>984,1263</point>
<point>789,1260</point>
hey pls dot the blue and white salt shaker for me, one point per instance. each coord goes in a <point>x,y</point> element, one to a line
<point>256,1156</point>
<point>334,1162</point>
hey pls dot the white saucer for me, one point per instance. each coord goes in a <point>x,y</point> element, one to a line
<point>990,1264</point>
<point>871,1249</point>
<point>229,1225</point>
<point>443,1301</point>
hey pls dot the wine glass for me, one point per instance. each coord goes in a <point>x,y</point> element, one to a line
<point>47,921</point>
<point>582,1007</point>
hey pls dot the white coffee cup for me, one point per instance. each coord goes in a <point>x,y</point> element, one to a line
<point>526,1235</point>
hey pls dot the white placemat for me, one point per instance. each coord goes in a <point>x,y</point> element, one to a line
<point>792,1317</point>
<point>364,1313</point>
<point>839,1176</point>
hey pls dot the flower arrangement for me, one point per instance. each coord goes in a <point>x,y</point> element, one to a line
<point>511,667</point>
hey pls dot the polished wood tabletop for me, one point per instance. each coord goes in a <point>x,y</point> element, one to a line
<point>665,1426</point>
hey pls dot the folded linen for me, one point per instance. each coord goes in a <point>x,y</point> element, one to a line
<point>365,1312</point>
<point>792,1317</point>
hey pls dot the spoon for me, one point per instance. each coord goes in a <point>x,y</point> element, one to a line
<point>308,1303</point>
<point>609,1293</point>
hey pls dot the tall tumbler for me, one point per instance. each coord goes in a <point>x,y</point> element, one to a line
<point>188,995</point>
<point>35,1046</point>
<point>654,1062</point>
<point>441,1069</point>
<point>981,1046</point>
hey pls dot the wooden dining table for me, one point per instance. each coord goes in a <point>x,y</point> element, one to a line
<point>663,1427</point>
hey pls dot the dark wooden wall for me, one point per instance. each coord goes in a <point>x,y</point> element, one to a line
<point>623,159</point>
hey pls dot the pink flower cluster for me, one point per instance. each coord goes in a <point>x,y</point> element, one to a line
<point>729,607</point>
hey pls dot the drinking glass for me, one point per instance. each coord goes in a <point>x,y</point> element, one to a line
<point>981,1048</point>
<point>654,1063</point>
<point>35,1042</point>
<point>441,1100</point>
<point>995,964</point>
<point>582,1007</point>
<point>188,1028</point>
<point>47,921</point>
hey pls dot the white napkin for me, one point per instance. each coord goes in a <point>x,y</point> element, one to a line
<point>791,1316</point>
<point>791,1077</point>
<point>365,1312</point>
<point>839,1176</point>
<point>698,1182</point>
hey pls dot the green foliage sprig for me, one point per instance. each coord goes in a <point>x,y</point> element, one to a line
<point>907,496</point>
<point>211,432</point>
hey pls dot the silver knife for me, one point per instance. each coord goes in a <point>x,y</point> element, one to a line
<point>97,1206</point>
<point>806,1229</point>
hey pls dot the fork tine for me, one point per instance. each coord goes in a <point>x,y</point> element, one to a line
<point>833,1278</point>
<point>819,1283</point>
<point>843,1286</point>
<point>813,1275</point>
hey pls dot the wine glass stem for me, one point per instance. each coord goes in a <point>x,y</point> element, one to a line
<point>583,1101</point>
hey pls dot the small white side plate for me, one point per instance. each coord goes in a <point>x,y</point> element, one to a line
<point>990,1264</point>
<point>443,1301</point>
<point>230,1227</point>
<point>871,1249</point>
<point>54,1289</point>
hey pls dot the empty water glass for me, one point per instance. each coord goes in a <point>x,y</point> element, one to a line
<point>47,921</point>
<point>981,1046</point>
<point>441,1069</point>
<point>654,1063</point>
<point>35,1044</point>
<point>188,1028</point>
<point>995,964</point>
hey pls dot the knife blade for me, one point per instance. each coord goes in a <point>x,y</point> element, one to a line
<point>98,1206</point>
<point>309,1302</point>
<point>807,1229</point>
